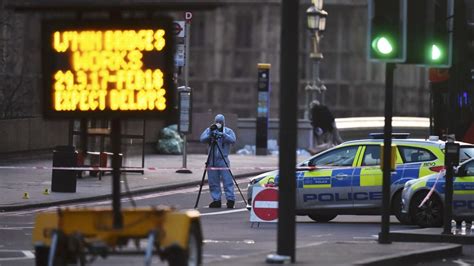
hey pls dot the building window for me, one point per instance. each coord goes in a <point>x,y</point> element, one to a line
<point>198,32</point>
<point>243,31</point>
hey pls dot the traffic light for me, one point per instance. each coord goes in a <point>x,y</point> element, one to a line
<point>387,30</point>
<point>430,41</point>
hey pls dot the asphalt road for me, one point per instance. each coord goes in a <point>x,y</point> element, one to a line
<point>227,233</point>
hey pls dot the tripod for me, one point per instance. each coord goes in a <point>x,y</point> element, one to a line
<point>211,153</point>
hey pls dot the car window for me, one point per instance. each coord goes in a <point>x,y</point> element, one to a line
<point>339,157</point>
<point>371,155</point>
<point>415,154</point>
<point>466,153</point>
<point>469,168</point>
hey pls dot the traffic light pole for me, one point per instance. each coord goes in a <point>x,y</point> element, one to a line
<point>384,237</point>
<point>286,232</point>
<point>448,199</point>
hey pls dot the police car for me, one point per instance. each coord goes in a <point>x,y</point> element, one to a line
<point>347,179</point>
<point>430,214</point>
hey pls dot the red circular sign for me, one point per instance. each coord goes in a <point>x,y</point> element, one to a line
<point>177,28</point>
<point>265,204</point>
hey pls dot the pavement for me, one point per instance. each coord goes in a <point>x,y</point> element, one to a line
<point>33,176</point>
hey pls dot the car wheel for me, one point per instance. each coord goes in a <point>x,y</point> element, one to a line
<point>321,218</point>
<point>193,255</point>
<point>428,215</point>
<point>397,209</point>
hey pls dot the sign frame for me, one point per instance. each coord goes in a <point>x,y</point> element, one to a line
<point>184,92</point>
<point>49,66</point>
<point>254,218</point>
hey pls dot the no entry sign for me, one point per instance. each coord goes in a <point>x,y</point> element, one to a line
<point>264,205</point>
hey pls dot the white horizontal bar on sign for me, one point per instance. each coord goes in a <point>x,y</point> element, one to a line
<point>379,122</point>
<point>266,204</point>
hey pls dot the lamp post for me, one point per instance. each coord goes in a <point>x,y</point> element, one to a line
<point>316,22</point>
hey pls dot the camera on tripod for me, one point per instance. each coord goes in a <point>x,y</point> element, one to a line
<point>213,127</point>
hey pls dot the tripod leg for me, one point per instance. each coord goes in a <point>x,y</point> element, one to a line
<point>203,176</point>
<point>200,188</point>
<point>232,175</point>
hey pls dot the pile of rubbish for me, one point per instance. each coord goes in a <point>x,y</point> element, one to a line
<point>170,142</point>
<point>272,149</point>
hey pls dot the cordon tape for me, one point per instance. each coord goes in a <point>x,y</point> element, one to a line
<point>146,169</point>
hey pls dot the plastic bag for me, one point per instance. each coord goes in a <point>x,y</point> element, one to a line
<point>170,141</point>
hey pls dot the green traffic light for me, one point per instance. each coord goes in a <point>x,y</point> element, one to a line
<point>435,52</point>
<point>382,45</point>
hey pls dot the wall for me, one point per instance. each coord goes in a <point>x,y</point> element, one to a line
<point>31,134</point>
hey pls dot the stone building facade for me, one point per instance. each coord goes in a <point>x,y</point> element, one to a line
<point>227,43</point>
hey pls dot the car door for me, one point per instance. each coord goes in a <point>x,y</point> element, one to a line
<point>367,185</point>
<point>329,184</point>
<point>463,188</point>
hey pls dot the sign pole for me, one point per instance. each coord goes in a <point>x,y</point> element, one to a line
<point>451,159</point>
<point>188,16</point>
<point>116,164</point>
<point>186,84</point>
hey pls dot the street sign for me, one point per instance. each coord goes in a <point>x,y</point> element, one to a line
<point>179,28</point>
<point>184,125</point>
<point>263,106</point>
<point>180,55</point>
<point>264,205</point>
<point>108,69</point>
<point>188,16</point>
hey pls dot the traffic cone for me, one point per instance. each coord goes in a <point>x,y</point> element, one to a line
<point>46,191</point>
<point>26,195</point>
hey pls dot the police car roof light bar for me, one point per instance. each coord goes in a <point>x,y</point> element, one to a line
<point>394,135</point>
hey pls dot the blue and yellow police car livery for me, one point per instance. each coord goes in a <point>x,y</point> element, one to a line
<point>430,214</point>
<point>347,179</point>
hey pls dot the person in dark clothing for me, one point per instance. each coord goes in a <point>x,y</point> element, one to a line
<point>325,133</point>
<point>322,118</point>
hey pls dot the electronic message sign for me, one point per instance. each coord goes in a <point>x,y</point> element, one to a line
<point>108,69</point>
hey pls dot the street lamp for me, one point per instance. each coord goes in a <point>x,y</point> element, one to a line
<point>316,22</point>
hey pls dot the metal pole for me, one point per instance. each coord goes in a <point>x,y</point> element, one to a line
<point>448,199</point>
<point>186,77</point>
<point>384,237</point>
<point>116,164</point>
<point>286,237</point>
<point>317,82</point>
<point>185,153</point>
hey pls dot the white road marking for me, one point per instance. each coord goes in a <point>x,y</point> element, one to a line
<point>313,244</point>
<point>28,255</point>
<point>16,228</point>
<point>245,241</point>
<point>365,237</point>
<point>223,212</point>
<point>323,235</point>
<point>216,257</point>
<point>104,202</point>
<point>109,202</point>
<point>461,262</point>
